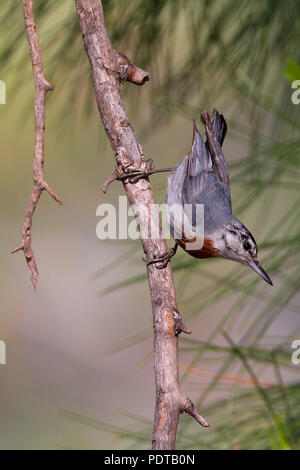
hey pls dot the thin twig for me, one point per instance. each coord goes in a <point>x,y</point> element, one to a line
<point>42,86</point>
<point>190,409</point>
<point>107,75</point>
<point>179,326</point>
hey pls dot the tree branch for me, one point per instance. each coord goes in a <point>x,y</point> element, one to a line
<point>42,86</point>
<point>109,69</point>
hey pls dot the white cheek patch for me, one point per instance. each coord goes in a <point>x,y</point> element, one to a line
<point>233,242</point>
<point>254,251</point>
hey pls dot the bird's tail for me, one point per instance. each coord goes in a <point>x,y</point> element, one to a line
<point>219,126</point>
<point>200,155</point>
<point>215,130</point>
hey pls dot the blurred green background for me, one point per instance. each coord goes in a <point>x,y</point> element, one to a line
<point>79,351</point>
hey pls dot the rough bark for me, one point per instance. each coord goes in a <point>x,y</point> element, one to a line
<point>42,86</point>
<point>109,69</point>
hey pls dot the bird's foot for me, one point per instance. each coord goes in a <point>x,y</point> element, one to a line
<point>162,260</point>
<point>132,176</point>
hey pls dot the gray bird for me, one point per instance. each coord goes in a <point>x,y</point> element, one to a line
<point>202,178</point>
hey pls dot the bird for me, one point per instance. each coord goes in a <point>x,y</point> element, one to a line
<point>202,178</point>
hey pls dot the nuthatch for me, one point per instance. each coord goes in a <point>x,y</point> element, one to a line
<point>202,178</point>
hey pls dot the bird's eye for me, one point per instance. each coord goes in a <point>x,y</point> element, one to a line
<point>246,246</point>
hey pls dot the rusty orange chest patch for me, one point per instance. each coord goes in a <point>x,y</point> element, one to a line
<point>207,251</point>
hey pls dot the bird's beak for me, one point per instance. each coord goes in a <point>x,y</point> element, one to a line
<point>260,271</point>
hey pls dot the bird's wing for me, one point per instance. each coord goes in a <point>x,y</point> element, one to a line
<point>215,130</point>
<point>199,165</point>
<point>199,157</point>
<point>174,208</point>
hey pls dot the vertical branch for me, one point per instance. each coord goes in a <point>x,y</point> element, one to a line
<point>42,86</point>
<point>109,69</point>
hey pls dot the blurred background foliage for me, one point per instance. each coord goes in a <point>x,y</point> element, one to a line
<point>241,57</point>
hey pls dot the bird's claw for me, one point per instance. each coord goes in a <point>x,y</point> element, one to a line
<point>163,260</point>
<point>133,175</point>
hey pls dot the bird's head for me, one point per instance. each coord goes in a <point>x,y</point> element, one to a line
<point>236,243</point>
